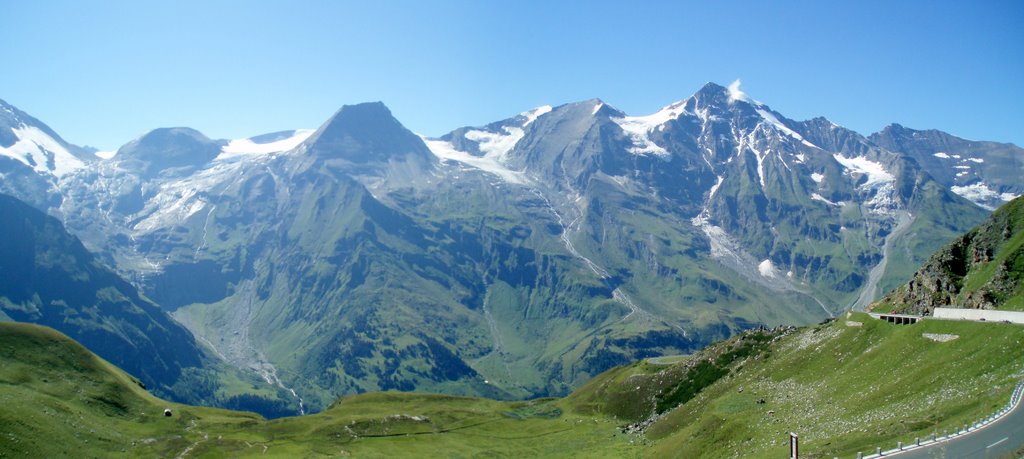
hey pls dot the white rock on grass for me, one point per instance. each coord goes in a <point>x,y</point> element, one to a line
<point>940,337</point>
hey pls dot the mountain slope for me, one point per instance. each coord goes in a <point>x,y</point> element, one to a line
<point>843,387</point>
<point>805,208</point>
<point>33,157</point>
<point>983,269</point>
<point>61,400</point>
<point>987,173</point>
<point>49,278</point>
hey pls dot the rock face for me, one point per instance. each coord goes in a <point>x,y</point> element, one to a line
<point>982,269</point>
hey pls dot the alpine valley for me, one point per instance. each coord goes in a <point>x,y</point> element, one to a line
<point>513,260</point>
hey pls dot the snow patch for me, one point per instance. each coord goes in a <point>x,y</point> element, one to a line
<point>818,197</point>
<point>875,172</point>
<point>760,163</point>
<point>487,163</point>
<point>532,115</point>
<point>818,178</point>
<point>620,180</point>
<point>879,189</point>
<point>941,155</point>
<point>495,147</point>
<point>976,160</point>
<point>494,144</point>
<point>979,193</point>
<point>105,154</point>
<point>41,152</point>
<point>771,119</point>
<point>171,206</point>
<point>246,147</point>
<point>766,268</point>
<point>714,188</point>
<point>638,128</point>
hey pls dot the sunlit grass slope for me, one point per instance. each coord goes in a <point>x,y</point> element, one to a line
<point>844,386</point>
<point>57,399</point>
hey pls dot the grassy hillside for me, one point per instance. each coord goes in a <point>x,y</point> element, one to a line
<point>847,388</point>
<point>57,399</point>
<point>844,386</point>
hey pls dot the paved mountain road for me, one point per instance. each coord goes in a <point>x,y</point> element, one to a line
<point>997,440</point>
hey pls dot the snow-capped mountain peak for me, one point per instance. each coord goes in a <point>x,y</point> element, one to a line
<point>41,152</point>
<point>32,143</point>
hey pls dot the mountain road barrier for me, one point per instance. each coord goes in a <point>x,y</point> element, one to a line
<point>999,434</point>
<point>974,315</point>
<point>978,315</point>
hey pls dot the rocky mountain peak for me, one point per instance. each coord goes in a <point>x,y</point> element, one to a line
<point>363,133</point>
<point>711,90</point>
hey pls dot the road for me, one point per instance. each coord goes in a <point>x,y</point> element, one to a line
<point>667,359</point>
<point>999,439</point>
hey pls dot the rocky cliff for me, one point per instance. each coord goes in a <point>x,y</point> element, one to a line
<point>982,269</point>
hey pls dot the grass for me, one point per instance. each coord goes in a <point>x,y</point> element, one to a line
<point>842,388</point>
<point>60,400</point>
<point>849,388</point>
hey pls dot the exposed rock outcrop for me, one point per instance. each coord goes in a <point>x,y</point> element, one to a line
<point>982,269</point>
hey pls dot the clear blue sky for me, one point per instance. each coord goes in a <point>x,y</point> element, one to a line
<point>103,72</point>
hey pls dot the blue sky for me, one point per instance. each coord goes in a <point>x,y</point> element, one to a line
<point>103,72</point>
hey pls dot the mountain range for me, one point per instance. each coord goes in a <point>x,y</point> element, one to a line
<point>511,260</point>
